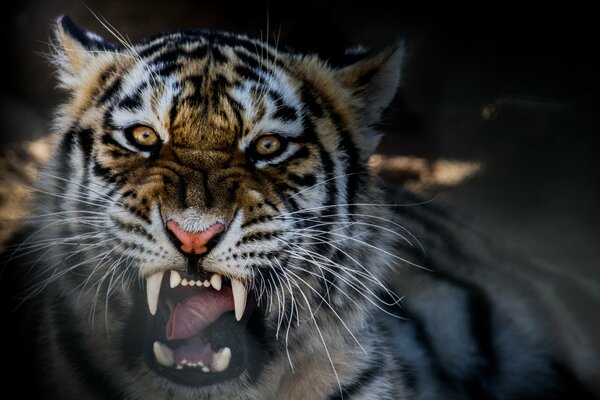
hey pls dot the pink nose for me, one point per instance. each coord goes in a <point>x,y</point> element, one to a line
<point>194,242</point>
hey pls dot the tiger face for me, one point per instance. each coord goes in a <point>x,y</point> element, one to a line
<point>226,179</point>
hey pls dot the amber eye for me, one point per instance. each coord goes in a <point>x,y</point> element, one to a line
<point>143,137</point>
<point>268,145</point>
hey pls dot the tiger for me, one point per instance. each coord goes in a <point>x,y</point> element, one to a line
<point>208,227</point>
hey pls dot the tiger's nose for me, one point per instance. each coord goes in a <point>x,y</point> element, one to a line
<point>195,243</point>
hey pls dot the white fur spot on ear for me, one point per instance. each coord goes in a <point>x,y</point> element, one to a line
<point>94,36</point>
<point>358,49</point>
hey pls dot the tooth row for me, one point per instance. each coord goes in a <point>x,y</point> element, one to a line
<point>175,280</point>
<point>238,288</point>
<point>219,362</point>
<point>200,364</point>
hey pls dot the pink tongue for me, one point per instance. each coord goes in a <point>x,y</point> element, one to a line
<point>196,312</point>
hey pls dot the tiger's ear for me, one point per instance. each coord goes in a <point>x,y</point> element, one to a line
<point>77,48</point>
<point>373,78</point>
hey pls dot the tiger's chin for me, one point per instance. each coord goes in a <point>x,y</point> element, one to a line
<point>202,330</point>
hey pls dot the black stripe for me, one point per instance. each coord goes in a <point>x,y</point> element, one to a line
<point>421,336</point>
<point>150,49</point>
<point>354,171</point>
<point>252,61</point>
<point>166,69</point>
<point>218,56</point>
<point>131,101</point>
<point>197,53</point>
<point>67,143</point>
<point>108,139</point>
<point>362,381</point>
<point>256,237</point>
<point>111,90</point>
<point>169,55</point>
<point>301,154</point>
<point>86,141</point>
<point>134,229</point>
<point>79,355</point>
<point>330,188</point>
<point>246,73</point>
<point>232,189</point>
<point>208,196</point>
<point>283,111</point>
<point>197,98</point>
<point>237,109</point>
<point>63,167</point>
<point>479,311</point>
<point>257,220</point>
<point>270,204</point>
<point>307,180</point>
<point>105,173</point>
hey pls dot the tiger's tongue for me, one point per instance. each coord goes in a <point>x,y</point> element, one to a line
<point>192,315</point>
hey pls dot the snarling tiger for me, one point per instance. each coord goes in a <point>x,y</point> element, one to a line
<point>208,228</point>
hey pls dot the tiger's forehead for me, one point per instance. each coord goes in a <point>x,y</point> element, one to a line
<point>208,90</point>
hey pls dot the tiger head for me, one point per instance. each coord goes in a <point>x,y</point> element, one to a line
<point>223,202</point>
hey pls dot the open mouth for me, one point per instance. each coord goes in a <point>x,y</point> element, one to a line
<point>198,332</point>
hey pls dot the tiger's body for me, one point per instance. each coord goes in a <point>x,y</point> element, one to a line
<point>195,154</point>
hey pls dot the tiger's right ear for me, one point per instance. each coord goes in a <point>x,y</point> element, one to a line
<point>78,47</point>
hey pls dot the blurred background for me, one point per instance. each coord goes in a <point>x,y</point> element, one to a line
<point>513,89</point>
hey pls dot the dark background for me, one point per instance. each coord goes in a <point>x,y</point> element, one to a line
<point>515,89</point>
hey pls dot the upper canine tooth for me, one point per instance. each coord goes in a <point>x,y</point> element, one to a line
<point>163,354</point>
<point>239,297</point>
<point>220,360</point>
<point>153,290</point>
<point>175,279</point>
<point>216,281</point>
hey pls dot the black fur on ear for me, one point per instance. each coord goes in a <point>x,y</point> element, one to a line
<point>86,39</point>
<point>76,48</point>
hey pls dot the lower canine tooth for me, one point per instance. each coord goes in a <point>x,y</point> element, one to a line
<point>163,354</point>
<point>153,290</point>
<point>220,360</point>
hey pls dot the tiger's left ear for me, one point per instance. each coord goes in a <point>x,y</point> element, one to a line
<point>373,79</point>
<point>77,47</point>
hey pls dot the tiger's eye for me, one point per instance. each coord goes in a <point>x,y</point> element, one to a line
<point>144,136</point>
<point>267,145</point>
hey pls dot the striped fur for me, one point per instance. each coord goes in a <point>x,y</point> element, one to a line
<point>308,229</point>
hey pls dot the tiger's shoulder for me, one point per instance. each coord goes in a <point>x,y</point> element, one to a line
<point>481,320</point>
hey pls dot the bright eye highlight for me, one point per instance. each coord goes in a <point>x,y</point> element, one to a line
<point>143,137</point>
<point>268,145</point>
